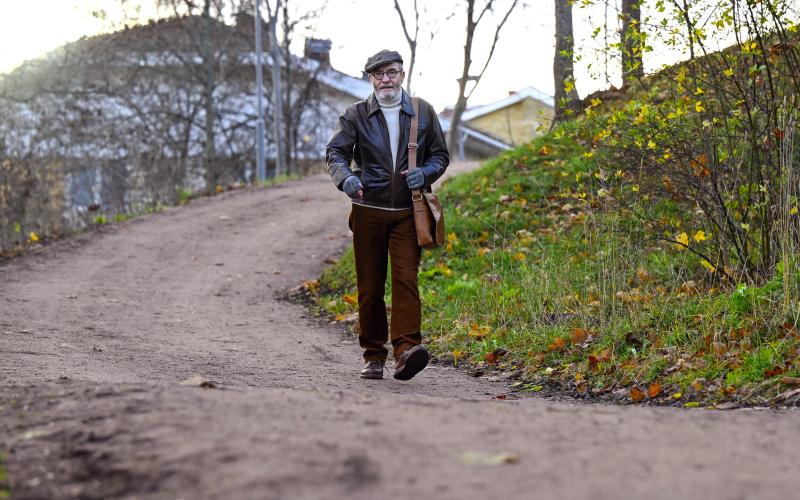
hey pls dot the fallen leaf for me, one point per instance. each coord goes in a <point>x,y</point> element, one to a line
<point>653,390</point>
<point>494,356</point>
<point>772,372</point>
<point>790,380</point>
<point>788,394</point>
<point>557,345</point>
<point>482,458</point>
<point>579,335</point>
<point>636,394</point>
<point>198,381</point>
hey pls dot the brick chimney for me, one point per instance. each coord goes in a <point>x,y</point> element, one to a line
<point>318,49</point>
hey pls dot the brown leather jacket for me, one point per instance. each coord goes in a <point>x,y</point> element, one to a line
<point>362,136</point>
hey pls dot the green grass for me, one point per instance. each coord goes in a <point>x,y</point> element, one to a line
<point>5,488</point>
<point>566,285</point>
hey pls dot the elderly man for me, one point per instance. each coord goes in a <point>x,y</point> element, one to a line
<point>375,134</point>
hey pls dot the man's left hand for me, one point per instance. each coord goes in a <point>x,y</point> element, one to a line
<point>415,179</point>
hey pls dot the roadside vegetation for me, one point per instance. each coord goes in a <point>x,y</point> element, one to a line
<point>20,238</point>
<point>646,250</point>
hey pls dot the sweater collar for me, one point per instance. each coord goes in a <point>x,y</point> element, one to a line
<point>405,104</point>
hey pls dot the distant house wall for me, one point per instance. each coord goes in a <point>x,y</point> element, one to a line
<point>515,124</point>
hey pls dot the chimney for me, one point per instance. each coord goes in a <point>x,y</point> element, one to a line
<point>318,49</point>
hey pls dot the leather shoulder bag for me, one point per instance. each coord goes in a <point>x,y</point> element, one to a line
<point>428,213</point>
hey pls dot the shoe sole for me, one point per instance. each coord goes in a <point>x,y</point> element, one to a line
<point>415,363</point>
<point>371,377</point>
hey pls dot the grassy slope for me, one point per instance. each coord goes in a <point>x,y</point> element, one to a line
<point>559,286</point>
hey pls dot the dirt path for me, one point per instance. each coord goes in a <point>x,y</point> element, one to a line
<point>96,334</point>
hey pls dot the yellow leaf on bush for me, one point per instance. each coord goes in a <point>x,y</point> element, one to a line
<point>519,256</point>
<point>350,299</point>
<point>711,267</point>
<point>793,211</point>
<point>483,251</point>
<point>683,241</point>
<point>451,237</point>
<point>33,237</point>
<point>699,236</point>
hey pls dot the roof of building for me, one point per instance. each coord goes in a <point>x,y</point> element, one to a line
<point>475,134</point>
<point>520,95</point>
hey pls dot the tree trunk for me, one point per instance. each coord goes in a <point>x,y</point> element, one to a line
<point>212,173</point>
<point>566,96</point>
<point>277,90</point>
<point>461,102</point>
<point>463,96</point>
<point>631,37</point>
<point>412,42</point>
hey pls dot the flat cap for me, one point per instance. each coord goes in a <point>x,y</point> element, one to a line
<point>381,58</point>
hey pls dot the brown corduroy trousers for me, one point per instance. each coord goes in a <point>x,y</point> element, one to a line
<point>377,235</point>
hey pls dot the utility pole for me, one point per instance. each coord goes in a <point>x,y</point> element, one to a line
<point>261,169</point>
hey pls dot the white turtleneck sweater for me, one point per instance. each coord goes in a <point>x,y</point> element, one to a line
<point>392,116</point>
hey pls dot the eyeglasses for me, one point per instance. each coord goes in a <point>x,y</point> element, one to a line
<point>392,74</point>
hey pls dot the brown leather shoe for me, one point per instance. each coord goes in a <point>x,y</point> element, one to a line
<point>411,362</point>
<point>373,370</point>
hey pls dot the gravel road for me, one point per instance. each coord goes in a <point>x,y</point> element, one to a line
<point>97,333</point>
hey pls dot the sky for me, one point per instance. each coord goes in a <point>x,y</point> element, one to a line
<point>358,29</point>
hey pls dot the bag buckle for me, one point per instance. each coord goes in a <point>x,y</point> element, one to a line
<point>412,145</point>
<point>416,197</point>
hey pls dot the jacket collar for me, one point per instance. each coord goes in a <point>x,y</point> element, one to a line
<point>405,104</point>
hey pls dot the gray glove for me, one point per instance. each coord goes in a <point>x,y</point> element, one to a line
<point>415,179</point>
<point>352,187</point>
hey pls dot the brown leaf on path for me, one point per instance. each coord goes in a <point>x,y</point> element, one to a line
<point>636,394</point>
<point>593,362</point>
<point>654,390</point>
<point>790,380</point>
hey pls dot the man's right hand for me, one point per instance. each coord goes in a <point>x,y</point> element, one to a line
<point>353,188</point>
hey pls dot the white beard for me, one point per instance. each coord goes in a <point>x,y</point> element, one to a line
<point>389,100</point>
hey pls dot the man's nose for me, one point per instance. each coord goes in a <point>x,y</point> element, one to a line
<point>386,76</point>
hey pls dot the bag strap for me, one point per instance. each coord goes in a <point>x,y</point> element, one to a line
<point>412,141</point>
<point>412,136</point>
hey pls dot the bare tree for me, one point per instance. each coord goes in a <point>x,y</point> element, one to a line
<point>412,42</point>
<point>631,38</point>
<point>472,24</point>
<point>566,95</point>
<point>300,81</point>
